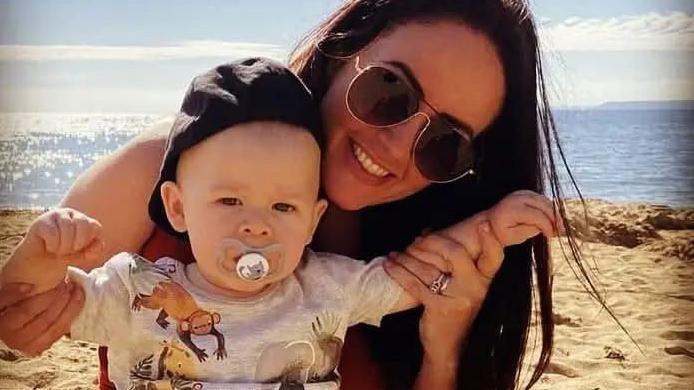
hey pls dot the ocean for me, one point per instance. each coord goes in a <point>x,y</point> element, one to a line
<point>619,155</point>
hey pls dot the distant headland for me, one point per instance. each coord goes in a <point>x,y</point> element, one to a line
<point>648,105</point>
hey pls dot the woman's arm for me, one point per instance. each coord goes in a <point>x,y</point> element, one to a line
<point>115,191</point>
<point>438,374</point>
<point>447,317</point>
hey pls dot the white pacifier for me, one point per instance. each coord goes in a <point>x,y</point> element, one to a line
<point>249,263</point>
<point>252,266</point>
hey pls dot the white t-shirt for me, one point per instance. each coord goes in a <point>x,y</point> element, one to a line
<point>145,313</point>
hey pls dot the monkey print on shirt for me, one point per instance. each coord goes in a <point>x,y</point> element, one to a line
<point>164,332</point>
<point>155,290</point>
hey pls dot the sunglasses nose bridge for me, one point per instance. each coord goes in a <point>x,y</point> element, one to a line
<point>423,124</point>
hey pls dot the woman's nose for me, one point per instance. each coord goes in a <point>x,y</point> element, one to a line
<point>400,140</point>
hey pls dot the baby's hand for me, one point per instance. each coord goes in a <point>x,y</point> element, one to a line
<point>522,215</point>
<point>65,234</point>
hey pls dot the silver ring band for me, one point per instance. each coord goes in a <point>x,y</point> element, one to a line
<point>439,285</point>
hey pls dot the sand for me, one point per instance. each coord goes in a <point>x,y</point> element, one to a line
<point>645,257</point>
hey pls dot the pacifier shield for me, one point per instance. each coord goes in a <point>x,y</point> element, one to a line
<point>252,266</point>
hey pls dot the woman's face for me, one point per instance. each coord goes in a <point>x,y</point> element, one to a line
<point>460,74</point>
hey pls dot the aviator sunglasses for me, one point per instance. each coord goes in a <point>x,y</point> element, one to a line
<point>380,97</point>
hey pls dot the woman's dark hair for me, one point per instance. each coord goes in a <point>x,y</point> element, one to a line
<point>517,153</point>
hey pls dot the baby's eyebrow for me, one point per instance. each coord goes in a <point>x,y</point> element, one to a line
<point>226,188</point>
<point>290,197</point>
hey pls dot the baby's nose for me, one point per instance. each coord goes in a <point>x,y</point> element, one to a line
<point>254,227</point>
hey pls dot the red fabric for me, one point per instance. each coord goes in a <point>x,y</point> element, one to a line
<point>357,368</point>
<point>104,382</point>
<point>162,244</point>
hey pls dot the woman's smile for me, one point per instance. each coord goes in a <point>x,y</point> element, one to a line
<point>367,162</point>
<point>363,166</point>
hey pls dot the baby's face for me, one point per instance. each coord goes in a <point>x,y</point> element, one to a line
<point>255,182</point>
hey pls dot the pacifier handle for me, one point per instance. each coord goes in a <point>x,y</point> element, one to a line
<point>252,266</point>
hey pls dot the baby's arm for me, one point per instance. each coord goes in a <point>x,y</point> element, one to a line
<point>56,239</point>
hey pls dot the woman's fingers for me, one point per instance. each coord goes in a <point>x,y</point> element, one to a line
<point>408,281</point>
<point>39,324</point>
<point>425,272</point>
<point>441,263</point>
<point>448,250</point>
<point>18,315</point>
<point>492,255</point>
<point>12,293</point>
<point>58,326</point>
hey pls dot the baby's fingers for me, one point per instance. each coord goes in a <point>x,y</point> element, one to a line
<point>537,219</point>
<point>492,255</point>
<point>47,230</point>
<point>541,203</point>
<point>95,251</point>
<point>67,231</point>
<point>87,230</point>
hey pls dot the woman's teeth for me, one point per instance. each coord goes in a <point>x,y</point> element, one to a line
<point>367,163</point>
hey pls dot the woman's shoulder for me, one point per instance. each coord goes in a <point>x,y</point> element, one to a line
<point>116,189</point>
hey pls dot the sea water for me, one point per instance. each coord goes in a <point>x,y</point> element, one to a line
<point>620,155</point>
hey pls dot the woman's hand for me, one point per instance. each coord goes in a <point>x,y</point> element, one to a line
<point>32,325</point>
<point>471,253</point>
<point>447,316</point>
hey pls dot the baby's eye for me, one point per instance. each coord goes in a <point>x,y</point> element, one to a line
<point>283,207</point>
<point>230,201</point>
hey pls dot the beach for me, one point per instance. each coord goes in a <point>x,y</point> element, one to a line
<point>644,255</point>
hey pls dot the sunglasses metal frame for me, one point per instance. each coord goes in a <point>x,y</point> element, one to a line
<point>420,99</point>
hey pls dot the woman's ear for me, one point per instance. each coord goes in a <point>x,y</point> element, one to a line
<point>318,210</point>
<point>173,205</point>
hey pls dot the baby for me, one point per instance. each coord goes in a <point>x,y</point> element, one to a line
<point>256,309</point>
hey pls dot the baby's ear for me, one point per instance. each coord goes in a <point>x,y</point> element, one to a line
<point>318,211</point>
<point>173,205</point>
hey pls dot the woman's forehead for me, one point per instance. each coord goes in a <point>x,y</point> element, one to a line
<point>458,68</point>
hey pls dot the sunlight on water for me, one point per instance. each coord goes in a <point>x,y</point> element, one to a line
<point>614,155</point>
<point>41,154</point>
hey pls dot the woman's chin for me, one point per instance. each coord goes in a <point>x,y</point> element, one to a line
<point>349,200</point>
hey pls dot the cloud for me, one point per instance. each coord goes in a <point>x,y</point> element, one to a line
<point>181,50</point>
<point>651,31</point>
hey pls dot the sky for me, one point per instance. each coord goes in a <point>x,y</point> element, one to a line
<point>134,56</point>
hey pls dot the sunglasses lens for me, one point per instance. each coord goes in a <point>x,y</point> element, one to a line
<point>443,154</point>
<point>380,97</point>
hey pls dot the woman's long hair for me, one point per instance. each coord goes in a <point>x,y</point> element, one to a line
<point>515,152</point>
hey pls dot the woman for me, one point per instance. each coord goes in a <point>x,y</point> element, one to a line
<point>404,86</point>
